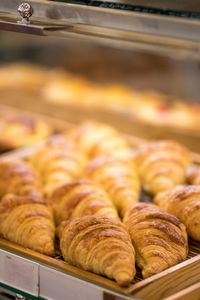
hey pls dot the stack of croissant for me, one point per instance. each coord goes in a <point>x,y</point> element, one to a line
<point>85,187</point>
<point>24,216</point>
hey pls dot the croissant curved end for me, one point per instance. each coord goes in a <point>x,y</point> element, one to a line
<point>123,278</point>
<point>49,249</point>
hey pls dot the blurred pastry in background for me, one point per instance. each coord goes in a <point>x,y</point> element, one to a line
<point>59,87</point>
<point>19,129</point>
<point>22,76</point>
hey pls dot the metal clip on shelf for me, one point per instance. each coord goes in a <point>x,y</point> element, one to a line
<point>25,10</point>
<point>9,21</point>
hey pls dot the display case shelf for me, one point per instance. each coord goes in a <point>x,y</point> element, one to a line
<point>39,278</point>
<point>165,28</point>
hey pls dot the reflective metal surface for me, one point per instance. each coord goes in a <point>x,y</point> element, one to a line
<point>26,11</point>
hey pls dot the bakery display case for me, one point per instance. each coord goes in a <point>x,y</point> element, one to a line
<point>133,62</point>
<point>99,126</point>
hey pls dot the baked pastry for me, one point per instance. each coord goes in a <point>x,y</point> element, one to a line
<point>100,245</point>
<point>17,177</point>
<point>27,223</point>
<point>20,129</point>
<point>57,163</point>
<point>80,198</point>
<point>184,203</point>
<point>63,88</point>
<point>97,139</point>
<point>162,165</point>
<point>193,175</point>
<point>159,239</point>
<point>22,76</point>
<point>10,201</point>
<point>119,179</point>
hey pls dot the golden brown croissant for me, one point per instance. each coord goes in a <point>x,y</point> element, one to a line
<point>22,76</point>
<point>10,201</point>
<point>162,165</point>
<point>57,163</point>
<point>27,223</point>
<point>193,175</point>
<point>97,139</point>
<point>118,178</point>
<point>17,130</point>
<point>159,239</point>
<point>100,245</point>
<point>17,177</point>
<point>80,198</point>
<point>184,203</point>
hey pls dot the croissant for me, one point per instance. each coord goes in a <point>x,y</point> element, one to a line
<point>17,130</point>
<point>184,203</point>
<point>96,139</point>
<point>162,165</point>
<point>100,245</point>
<point>193,175</point>
<point>79,198</point>
<point>28,223</point>
<point>16,177</point>
<point>118,178</point>
<point>159,239</point>
<point>25,77</point>
<point>57,163</point>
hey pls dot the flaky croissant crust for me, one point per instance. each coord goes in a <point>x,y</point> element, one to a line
<point>27,223</point>
<point>79,198</point>
<point>118,178</point>
<point>162,165</point>
<point>10,201</point>
<point>57,162</point>
<point>184,203</point>
<point>159,239</point>
<point>98,139</point>
<point>100,245</point>
<point>17,177</point>
<point>193,175</point>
